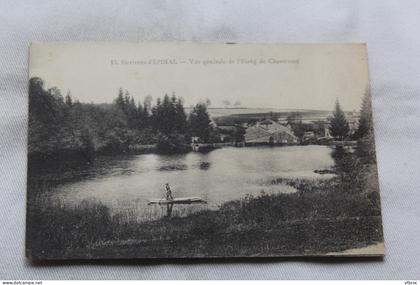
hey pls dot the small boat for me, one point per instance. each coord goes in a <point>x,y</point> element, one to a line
<point>182,200</point>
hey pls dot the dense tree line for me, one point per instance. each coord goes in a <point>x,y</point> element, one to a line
<point>60,124</point>
<point>339,127</point>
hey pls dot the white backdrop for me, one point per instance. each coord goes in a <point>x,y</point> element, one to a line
<point>392,31</point>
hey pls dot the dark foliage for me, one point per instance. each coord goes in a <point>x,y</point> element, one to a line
<point>200,123</point>
<point>339,127</point>
<point>365,121</point>
<point>62,125</point>
<point>173,143</point>
<point>364,132</point>
<point>168,116</point>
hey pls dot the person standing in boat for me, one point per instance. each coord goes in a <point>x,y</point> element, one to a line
<point>168,192</point>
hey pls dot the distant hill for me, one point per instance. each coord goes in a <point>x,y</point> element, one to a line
<point>230,116</point>
<point>218,112</point>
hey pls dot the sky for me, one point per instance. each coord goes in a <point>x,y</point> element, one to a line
<point>283,76</point>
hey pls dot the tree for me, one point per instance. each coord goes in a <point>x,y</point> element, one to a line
<point>200,123</point>
<point>364,133</point>
<point>147,104</point>
<point>339,127</point>
<point>47,111</point>
<point>181,117</point>
<point>57,126</point>
<point>127,105</point>
<point>126,98</point>
<point>120,99</point>
<point>131,111</point>
<point>69,100</point>
<point>237,104</point>
<point>294,120</point>
<point>142,119</point>
<point>168,116</point>
<point>365,120</point>
<point>86,145</point>
<point>169,121</point>
<point>172,143</point>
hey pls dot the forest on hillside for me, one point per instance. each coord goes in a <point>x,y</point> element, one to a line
<point>62,126</point>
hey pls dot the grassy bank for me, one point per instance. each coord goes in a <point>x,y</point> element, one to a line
<point>322,216</point>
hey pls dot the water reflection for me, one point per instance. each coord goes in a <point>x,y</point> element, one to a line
<point>173,167</point>
<point>205,165</point>
<point>169,208</point>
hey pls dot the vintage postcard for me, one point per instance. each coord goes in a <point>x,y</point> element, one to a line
<point>186,150</point>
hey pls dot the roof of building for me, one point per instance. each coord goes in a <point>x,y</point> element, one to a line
<point>259,130</point>
<point>267,122</point>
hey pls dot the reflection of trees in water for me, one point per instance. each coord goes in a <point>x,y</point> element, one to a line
<point>169,208</point>
<point>205,165</point>
<point>170,167</point>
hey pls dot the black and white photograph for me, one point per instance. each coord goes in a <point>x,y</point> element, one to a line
<point>200,150</point>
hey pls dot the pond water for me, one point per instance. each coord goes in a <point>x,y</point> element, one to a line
<point>218,176</point>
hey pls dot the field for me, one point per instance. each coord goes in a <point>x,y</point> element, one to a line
<point>219,112</point>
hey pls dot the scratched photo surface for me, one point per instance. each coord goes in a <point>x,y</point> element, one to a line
<point>186,150</point>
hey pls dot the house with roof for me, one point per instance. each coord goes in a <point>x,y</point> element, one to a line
<point>270,132</point>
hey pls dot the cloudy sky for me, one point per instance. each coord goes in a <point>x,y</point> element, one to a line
<point>287,76</point>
